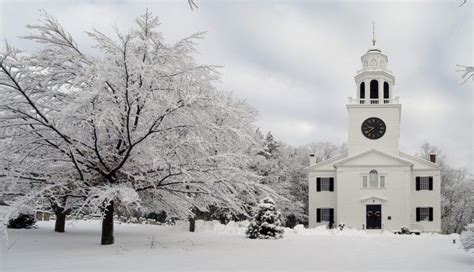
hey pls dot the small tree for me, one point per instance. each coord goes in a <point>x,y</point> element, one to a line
<point>467,237</point>
<point>270,147</point>
<point>284,171</point>
<point>266,223</point>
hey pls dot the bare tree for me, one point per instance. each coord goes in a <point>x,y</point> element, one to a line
<point>192,4</point>
<point>457,191</point>
<point>468,71</point>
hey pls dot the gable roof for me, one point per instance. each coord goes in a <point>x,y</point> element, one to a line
<point>384,159</point>
<point>419,163</point>
<point>326,162</point>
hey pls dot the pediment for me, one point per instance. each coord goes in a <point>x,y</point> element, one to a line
<point>371,158</point>
<point>373,198</point>
<point>326,165</point>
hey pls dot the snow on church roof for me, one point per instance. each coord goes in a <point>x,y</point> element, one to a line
<point>403,159</point>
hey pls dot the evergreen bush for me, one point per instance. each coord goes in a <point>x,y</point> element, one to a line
<point>266,223</point>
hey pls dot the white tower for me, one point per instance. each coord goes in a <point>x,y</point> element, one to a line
<point>374,115</point>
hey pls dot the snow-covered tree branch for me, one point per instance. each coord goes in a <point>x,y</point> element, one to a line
<point>457,188</point>
<point>141,123</point>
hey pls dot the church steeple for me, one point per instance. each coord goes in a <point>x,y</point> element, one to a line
<point>374,81</point>
<point>374,114</point>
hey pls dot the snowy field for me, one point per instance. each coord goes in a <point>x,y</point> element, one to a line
<point>219,248</point>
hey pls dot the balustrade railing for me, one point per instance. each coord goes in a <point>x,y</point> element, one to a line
<point>373,101</point>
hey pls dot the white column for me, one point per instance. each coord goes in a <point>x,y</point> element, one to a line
<point>367,91</point>
<point>390,90</point>
<point>380,90</point>
<point>358,90</point>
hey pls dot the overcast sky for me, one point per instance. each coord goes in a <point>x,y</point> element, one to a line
<point>295,61</point>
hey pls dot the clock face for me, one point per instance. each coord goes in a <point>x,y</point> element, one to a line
<point>373,128</point>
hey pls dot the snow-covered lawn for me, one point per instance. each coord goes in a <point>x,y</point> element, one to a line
<point>218,248</point>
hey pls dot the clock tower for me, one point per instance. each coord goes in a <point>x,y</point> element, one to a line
<point>374,113</point>
<point>373,185</point>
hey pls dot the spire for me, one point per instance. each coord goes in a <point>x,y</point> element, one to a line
<point>373,33</point>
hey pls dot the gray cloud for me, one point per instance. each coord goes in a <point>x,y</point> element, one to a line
<point>295,60</point>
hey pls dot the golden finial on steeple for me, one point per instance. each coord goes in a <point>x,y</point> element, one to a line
<point>373,33</point>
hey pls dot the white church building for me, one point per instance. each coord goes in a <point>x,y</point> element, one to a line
<point>374,185</point>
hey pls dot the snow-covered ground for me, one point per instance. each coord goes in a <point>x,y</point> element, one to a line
<point>225,248</point>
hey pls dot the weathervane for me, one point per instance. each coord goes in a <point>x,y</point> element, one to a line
<point>373,33</point>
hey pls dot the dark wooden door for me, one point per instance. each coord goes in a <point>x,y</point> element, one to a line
<point>374,216</point>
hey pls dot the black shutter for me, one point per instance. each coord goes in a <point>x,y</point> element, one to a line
<point>318,215</point>
<point>417,214</point>
<point>331,215</point>
<point>318,184</point>
<point>417,183</point>
<point>431,214</point>
<point>431,184</point>
<point>331,184</point>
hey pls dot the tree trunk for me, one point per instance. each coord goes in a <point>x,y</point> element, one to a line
<point>192,224</point>
<point>60,223</point>
<point>108,225</point>
<point>60,213</point>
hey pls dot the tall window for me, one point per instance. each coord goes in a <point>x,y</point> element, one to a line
<point>424,214</point>
<point>364,181</point>
<point>324,215</point>
<point>424,183</point>
<point>374,179</point>
<point>325,183</point>
<point>386,92</point>
<point>362,92</point>
<point>374,90</point>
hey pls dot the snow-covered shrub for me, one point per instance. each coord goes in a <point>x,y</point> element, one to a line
<point>158,216</point>
<point>405,230</point>
<point>467,237</point>
<point>266,223</point>
<point>170,221</point>
<point>291,221</point>
<point>341,226</point>
<point>331,224</point>
<point>24,218</point>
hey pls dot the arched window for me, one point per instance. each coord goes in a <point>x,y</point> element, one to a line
<point>374,178</point>
<point>386,92</point>
<point>374,90</point>
<point>362,92</point>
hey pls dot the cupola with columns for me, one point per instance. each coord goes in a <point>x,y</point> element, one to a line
<point>374,114</point>
<point>374,81</point>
